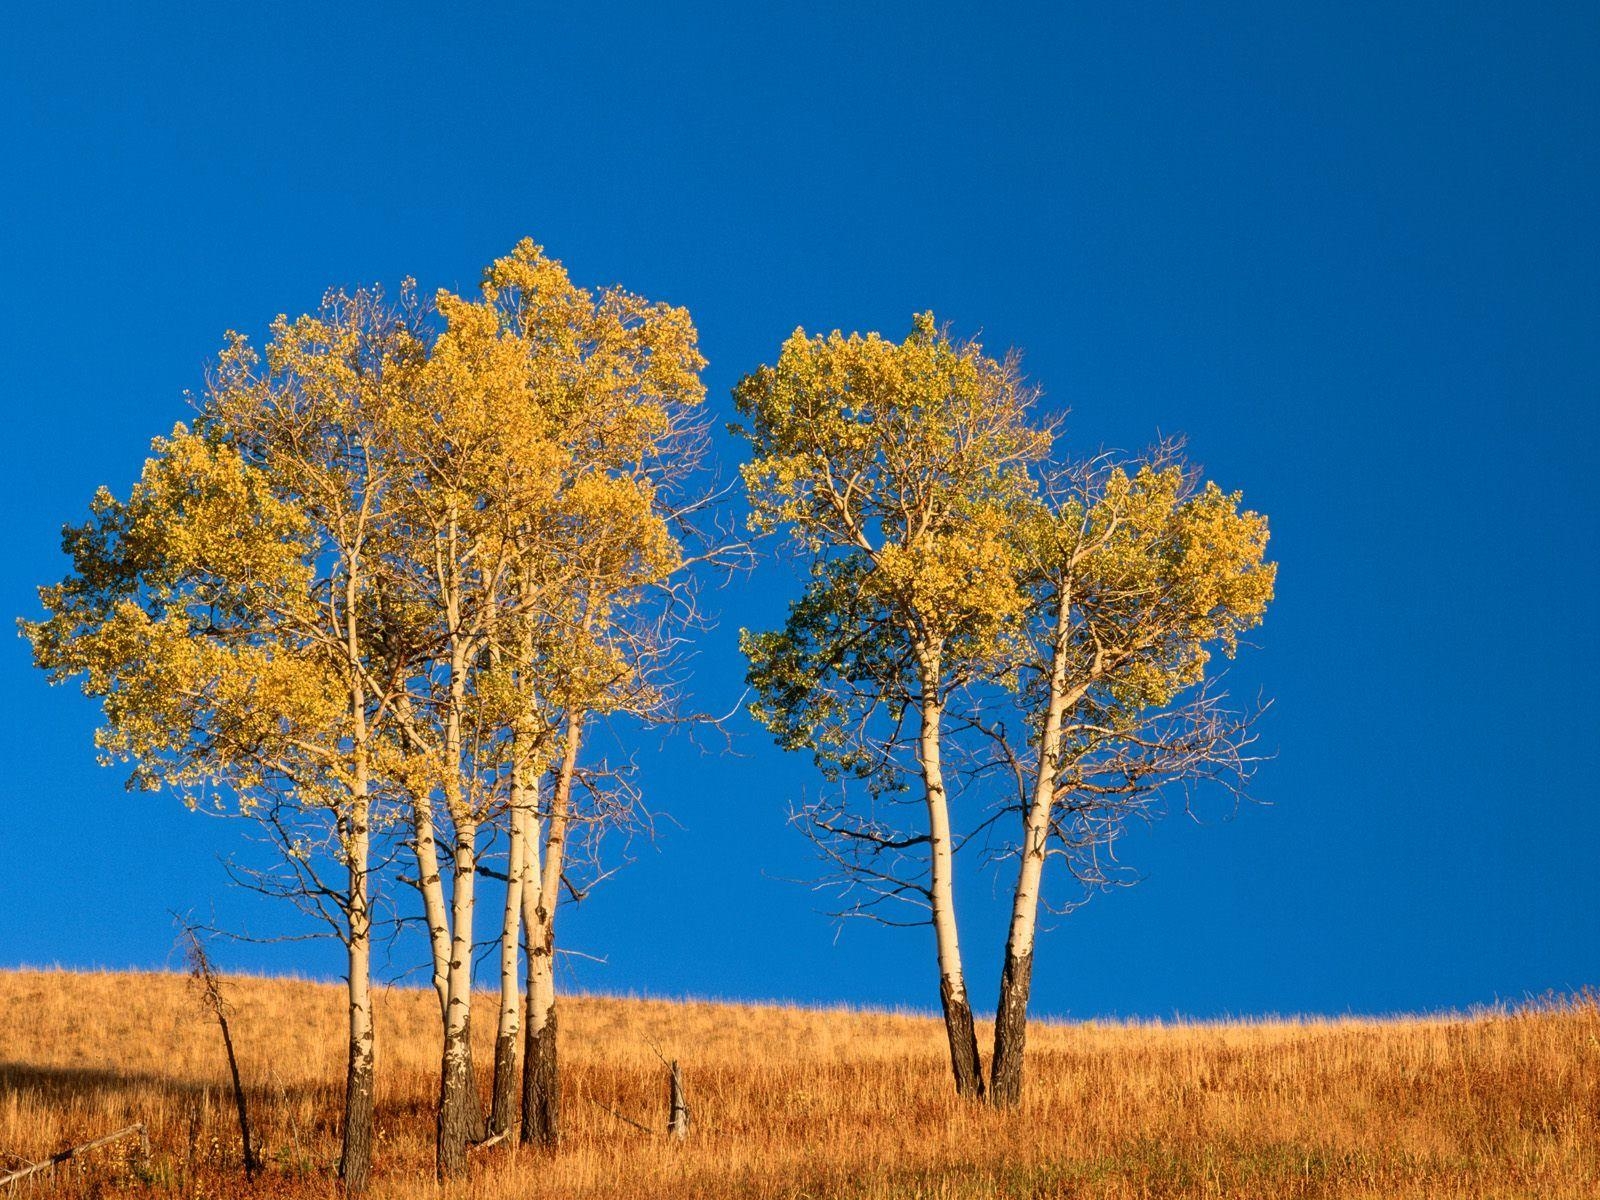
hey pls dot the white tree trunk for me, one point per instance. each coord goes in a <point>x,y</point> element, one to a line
<point>509,1024</point>
<point>959,1028</point>
<point>355,1159</point>
<point>541,1081</point>
<point>1016,976</point>
<point>430,883</point>
<point>460,1111</point>
<point>355,1156</point>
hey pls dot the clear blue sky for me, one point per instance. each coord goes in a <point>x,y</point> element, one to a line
<point>1349,250</point>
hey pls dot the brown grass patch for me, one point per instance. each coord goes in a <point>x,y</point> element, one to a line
<point>792,1103</point>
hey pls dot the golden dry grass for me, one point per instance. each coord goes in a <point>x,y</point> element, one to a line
<point>798,1103</point>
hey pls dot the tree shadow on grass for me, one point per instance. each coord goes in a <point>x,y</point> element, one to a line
<point>56,1085</point>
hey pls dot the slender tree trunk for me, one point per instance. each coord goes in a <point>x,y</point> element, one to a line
<point>455,1084</point>
<point>460,1118</point>
<point>958,1023</point>
<point>251,1163</point>
<point>437,914</point>
<point>430,884</point>
<point>210,987</point>
<point>677,1106</point>
<point>1016,975</point>
<point>541,1080</point>
<point>460,1110</point>
<point>355,1159</point>
<point>502,1108</point>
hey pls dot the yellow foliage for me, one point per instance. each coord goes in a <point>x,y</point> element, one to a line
<point>914,456</point>
<point>1156,574</point>
<point>382,489</point>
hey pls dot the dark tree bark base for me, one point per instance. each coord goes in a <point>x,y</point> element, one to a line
<point>355,1158</point>
<point>503,1106</point>
<point>1011,1032</point>
<point>963,1035</point>
<point>458,1106</point>
<point>477,1121</point>
<point>541,1086</point>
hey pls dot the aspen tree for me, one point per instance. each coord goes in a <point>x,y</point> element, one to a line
<point>1137,577</point>
<point>608,665</point>
<point>548,433</point>
<point>452,538</point>
<point>898,470</point>
<point>406,565</point>
<point>520,806</point>
<point>224,616</point>
<point>613,386</point>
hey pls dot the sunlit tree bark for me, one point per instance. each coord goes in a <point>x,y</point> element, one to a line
<point>541,1091</point>
<point>899,470</point>
<point>1138,576</point>
<point>543,448</point>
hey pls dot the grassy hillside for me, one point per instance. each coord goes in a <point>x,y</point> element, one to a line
<point>798,1103</point>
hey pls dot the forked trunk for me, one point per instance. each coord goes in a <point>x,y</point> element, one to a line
<point>959,1028</point>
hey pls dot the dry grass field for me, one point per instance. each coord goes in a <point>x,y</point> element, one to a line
<point>796,1103</point>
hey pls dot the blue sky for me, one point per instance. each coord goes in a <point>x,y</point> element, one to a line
<point>1350,251</point>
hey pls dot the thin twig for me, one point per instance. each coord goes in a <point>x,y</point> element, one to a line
<point>620,1117</point>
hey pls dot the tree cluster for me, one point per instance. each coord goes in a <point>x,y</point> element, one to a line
<point>984,623</point>
<point>375,596</point>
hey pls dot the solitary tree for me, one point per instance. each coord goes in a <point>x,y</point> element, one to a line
<point>899,471</point>
<point>1135,578</point>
